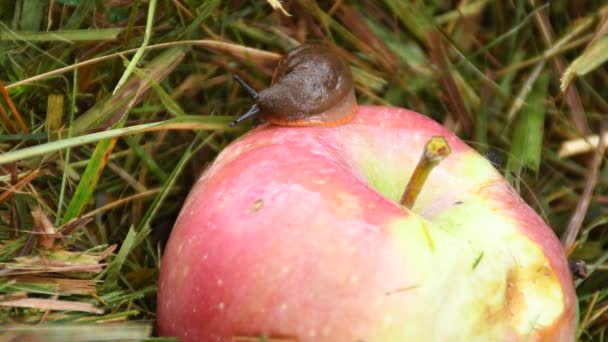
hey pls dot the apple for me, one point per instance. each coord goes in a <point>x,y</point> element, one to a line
<point>297,234</point>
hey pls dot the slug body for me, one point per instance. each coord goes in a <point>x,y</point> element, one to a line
<point>311,86</point>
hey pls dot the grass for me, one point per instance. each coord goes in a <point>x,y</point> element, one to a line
<point>110,109</point>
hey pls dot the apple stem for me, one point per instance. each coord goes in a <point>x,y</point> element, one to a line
<point>435,150</point>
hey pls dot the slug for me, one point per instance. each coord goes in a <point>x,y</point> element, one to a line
<point>311,86</point>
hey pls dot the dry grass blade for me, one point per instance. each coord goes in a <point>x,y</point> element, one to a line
<point>51,304</point>
<point>129,331</point>
<point>118,203</point>
<point>454,97</point>
<point>7,121</point>
<point>572,96</point>
<point>115,107</point>
<point>13,108</point>
<point>64,286</point>
<point>371,43</point>
<point>519,100</point>
<point>23,181</point>
<point>276,4</point>
<point>54,113</point>
<point>573,147</point>
<point>595,55</point>
<point>574,225</point>
<point>7,269</point>
<point>244,53</point>
<point>56,261</point>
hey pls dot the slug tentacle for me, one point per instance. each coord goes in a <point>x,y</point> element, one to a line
<point>254,94</point>
<point>253,111</point>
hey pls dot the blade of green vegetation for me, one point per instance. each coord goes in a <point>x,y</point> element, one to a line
<point>590,60</point>
<point>32,14</point>
<point>69,2</point>
<point>123,101</point>
<point>132,240</point>
<point>413,17</point>
<point>204,11</point>
<point>10,247</point>
<point>79,14</point>
<point>88,182</point>
<point>158,200</point>
<point>118,315</point>
<point>115,298</point>
<point>370,80</point>
<point>90,177</point>
<point>114,107</point>
<point>527,138</point>
<point>140,52</point>
<point>62,35</point>
<point>465,10</point>
<point>511,35</point>
<point>68,150</point>
<point>16,12</point>
<point>252,32</point>
<point>330,22</point>
<point>167,101</point>
<point>24,137</point>
<point>149,160</point>
<point>190,122</point>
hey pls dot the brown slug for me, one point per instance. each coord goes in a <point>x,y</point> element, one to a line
<point>311,86</point>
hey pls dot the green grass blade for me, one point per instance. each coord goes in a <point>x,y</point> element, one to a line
<point>80,14</point>
<point>128,95</point>
<point>149,160</point>
<point>113,108</point>
<point>158,200</point>
<point>140,53</point>
<point>204,11</point>
<point>190,122</point>
<point>413,17</point>
<point>67,36</point>
<point>89,179</point>
<point>528,131</point>
<point>132,240</point>
<point>64,177</point>
<point>32,14</point>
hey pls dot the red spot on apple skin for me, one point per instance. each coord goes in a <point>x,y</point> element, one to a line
<point>315,257</point>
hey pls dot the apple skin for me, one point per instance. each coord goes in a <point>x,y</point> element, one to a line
<point>296,233</point>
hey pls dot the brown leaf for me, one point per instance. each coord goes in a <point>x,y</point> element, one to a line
<point>42,224</point>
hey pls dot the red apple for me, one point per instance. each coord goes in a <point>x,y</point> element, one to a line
<point>297,233</point>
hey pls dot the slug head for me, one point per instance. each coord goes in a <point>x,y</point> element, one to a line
<point>311,86</point>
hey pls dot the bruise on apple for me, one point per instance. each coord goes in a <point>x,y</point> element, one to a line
<point>298,232</point>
